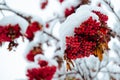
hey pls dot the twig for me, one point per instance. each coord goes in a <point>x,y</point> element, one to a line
<point>79,72</point>
<point>2,4</point>
<point>99,68</point>
<point>117,50</point>
<point>28,19</point>
<point>51,36</point>
<point>24,17</point>
<point>2,13</point>
<point>112,10</point>
<point>88,69</point>
<point>68,73</point>
<point>110,72</point>
<point>97,71</point>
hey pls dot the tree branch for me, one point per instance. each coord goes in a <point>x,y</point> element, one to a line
<point>28,19</point>
<point>87,69</point>
<point>79,72</point>
<point>110,72</point>
<point>51,35</point>
<point>24,17</point>
<point>112,9</point>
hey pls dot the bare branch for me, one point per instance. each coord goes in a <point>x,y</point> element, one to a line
<point>88,69</point>
<point>110,72</point>
<point>68,73</point>
<point>24,17</point>
<point>28,19</point>
<point>97,71</point>
<point>51,36</point>
<point>2,12</point>
<point>2,4</point>
<point>78,70</point>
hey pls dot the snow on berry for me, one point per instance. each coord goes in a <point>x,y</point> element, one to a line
<point>44,4</point>
<point>42,63</point>
<point>68,7</point>
<point>45,70</point>
<point>87,36</point>
<point>69,11</point>
<point>32,28</point>
<point>41,73</point>
<point>32,53</point>
<point>9,32</point>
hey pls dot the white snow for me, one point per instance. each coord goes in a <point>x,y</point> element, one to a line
<point>74,20</point>
<point>14,19</point>
<point>13,64</point>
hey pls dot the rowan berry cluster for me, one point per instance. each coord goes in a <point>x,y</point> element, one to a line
<point>32,53</point>
<point>41,73</point>
<point>87,37</point>
<point>31,29</point>
<point>9,32</point>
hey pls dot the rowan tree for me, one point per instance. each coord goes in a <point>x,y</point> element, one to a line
<point>78,40</point>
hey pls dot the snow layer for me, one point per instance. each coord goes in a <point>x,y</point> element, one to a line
<point>14,19</point>
<point>74,20</point>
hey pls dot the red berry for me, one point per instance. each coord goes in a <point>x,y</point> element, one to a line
<point>61,1</point>
<point>44,4</point>
<point>32,28</point>
<point>87,36</point>
<point>47,25</point>
<point>9,32</point>
<point>33,52</point>
<point>43,63</point>
<point>69,11</point>
<point>41,73</point>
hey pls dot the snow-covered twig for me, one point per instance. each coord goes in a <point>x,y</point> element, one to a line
<point>68,73</point>
<point>112,9</point>
<point>79,71</point>
<point>97,71</point>
<point>100,68</point>
<point>24,17</point>
<point>87,69</point>
<point>2,3</point>
<point>110,72</point>
<point>51,35</point>
<point>27,18</point>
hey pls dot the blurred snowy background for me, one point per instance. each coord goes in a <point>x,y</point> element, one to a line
<point>13,64</point>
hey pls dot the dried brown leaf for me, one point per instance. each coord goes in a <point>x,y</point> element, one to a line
<point>99,54</point>
<point>68,66</point>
